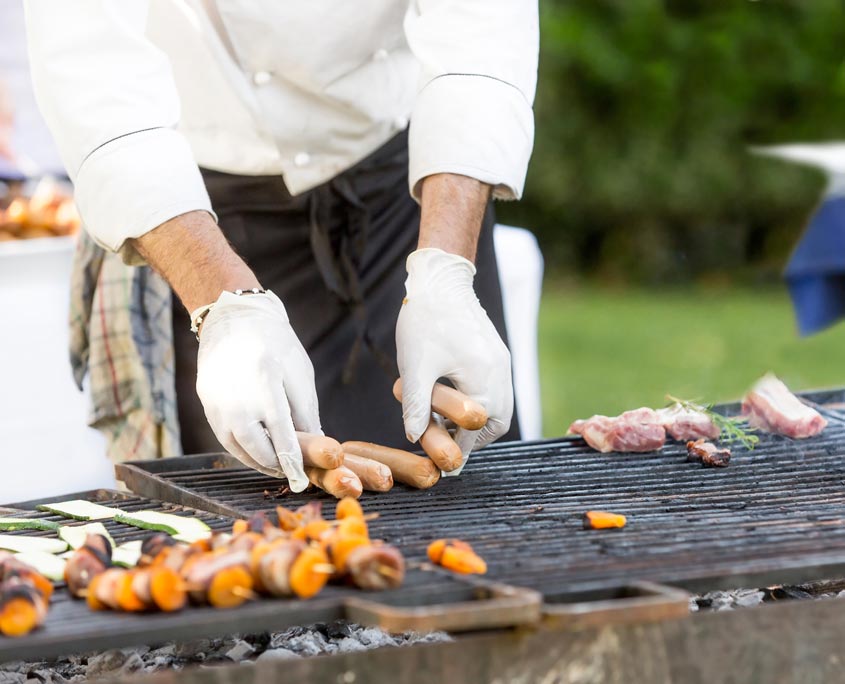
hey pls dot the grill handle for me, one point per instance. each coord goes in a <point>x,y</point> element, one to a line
<point>494,606</point>
<point>635,602</point>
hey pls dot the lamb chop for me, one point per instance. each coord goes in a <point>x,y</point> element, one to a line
<point>638,430</point>
<point>684,423</point>
<point>771,407</point>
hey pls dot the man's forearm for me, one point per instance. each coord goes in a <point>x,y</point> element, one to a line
<point>452,211</point>
<point>192,254</point>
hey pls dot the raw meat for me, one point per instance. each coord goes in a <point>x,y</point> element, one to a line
<point>637,430</point>
<point>687,424</point>
<point>771,407</point>
<point>708,454</point>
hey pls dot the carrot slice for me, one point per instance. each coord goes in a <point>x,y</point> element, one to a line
<point>91,596</point>
<point>240,526</point>
<point>348,508</point>
<point>230,587</point>
<point>456,555</point>
<point>353,527</point>
<point>310,572</point>
<point>602,520</point>
<point>126,598</point>
<point>167,590</point>
<point>18,616</point>
<point>340,548</point>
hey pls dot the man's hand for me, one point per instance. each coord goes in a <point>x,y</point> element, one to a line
<point>442,329</point>
<point>254,378</point>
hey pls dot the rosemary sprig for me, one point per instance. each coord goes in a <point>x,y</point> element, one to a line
<point>732,429</point>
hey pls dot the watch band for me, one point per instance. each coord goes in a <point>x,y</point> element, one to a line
<point>198,315</point>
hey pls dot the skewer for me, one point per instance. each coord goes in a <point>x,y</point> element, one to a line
<point>323,568</point>
<point>388,572</point>
<point>243,592</point>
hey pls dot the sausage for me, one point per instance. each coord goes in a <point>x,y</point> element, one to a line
<point>452,404</point>
<point>374,476</point>
<point>320,451</point>
<point>339,482</point>
<point>413,470</point>
<point>440,447</point>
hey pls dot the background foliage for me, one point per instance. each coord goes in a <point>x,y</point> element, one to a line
<point>644,113</point>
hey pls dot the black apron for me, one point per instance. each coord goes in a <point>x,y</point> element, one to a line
<point>335,256</point>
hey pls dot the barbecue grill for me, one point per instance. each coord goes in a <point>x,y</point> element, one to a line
<point>612,599</point>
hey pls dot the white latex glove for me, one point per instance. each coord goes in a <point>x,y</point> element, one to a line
<point>443,332</point>
<point>256,383</point>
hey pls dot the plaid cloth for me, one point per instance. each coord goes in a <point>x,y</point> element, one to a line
<point>121,336</point>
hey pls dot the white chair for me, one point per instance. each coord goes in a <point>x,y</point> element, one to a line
<point>521,272</point>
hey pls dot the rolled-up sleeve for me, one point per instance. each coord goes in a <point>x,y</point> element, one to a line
<point>109,98</point>
<point>473,114</point>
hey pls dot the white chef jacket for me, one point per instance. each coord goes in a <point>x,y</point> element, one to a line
<point>138,93</point>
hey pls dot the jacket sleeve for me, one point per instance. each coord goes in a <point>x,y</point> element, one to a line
<point>108,96</point>
<point>473,113</point>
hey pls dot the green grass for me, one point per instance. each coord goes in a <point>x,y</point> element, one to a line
<point>607,351</point>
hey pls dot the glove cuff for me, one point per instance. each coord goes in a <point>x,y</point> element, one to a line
<point>431,268</point>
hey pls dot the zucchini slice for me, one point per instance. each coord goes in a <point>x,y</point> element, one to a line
<point>52,567</point>
<point>80,510</point>
<point>184,529</point>
<point>12,524</point>
<point>21,544</point>
<point>75,535</point>
<point>127,555</point>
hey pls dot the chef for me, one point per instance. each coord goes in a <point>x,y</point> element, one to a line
<point>287,168</point>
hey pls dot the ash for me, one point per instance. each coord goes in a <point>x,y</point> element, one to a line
<point>296,642</point>
<point>748,598</point>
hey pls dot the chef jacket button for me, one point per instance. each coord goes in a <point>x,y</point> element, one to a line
<point>380,54</point>
<point>260,78</point>
<point>401,122</point>
<point>301,159</point>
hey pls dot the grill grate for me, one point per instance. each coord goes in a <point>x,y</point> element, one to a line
<point>777,513</point>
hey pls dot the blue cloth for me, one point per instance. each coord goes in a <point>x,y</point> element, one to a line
<point>815,273</point>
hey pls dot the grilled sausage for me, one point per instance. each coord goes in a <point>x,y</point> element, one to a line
<point>339,482</point>
<point>320,451</point>
<point>374,476</point>
<point>413,470</point>
<point>440,447</point>
<point>452,404</point>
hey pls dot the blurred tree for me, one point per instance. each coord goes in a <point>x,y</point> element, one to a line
<point>645,110</point>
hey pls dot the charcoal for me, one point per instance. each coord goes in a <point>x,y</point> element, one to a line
<point>108,662</point>
<point>194,650</point>
<point>12,677</point>
<point>240,651</point>
<point>350,645</point>
<point>374,637</point>
<point>277,654</point>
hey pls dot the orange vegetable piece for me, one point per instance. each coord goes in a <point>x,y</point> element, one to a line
<point>91,597</point>
<point>457,556</point>
<point>126,598</point>
<point>315,529</point>
<point>310,572</point>
<point>340,548</point>
<point>348,507</point>
<point>288,520</point>
<point>240,526</point>
<point>230,587</point>
<point>167,590</point>
<point>601,520</point>
<point>18,616</point>
<point>354,527</point>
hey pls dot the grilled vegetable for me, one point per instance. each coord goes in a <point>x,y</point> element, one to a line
<point>14,524</point>
<point>180,527</point>
<point>348,508</point>
<point>22,544</point>
<point>75,535</point>
<point>127,555</point>
<point>47,564</point>
<point>310,572</point>
<point>80,510</point>
<point>601,520</point>
<point>457,556</point>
